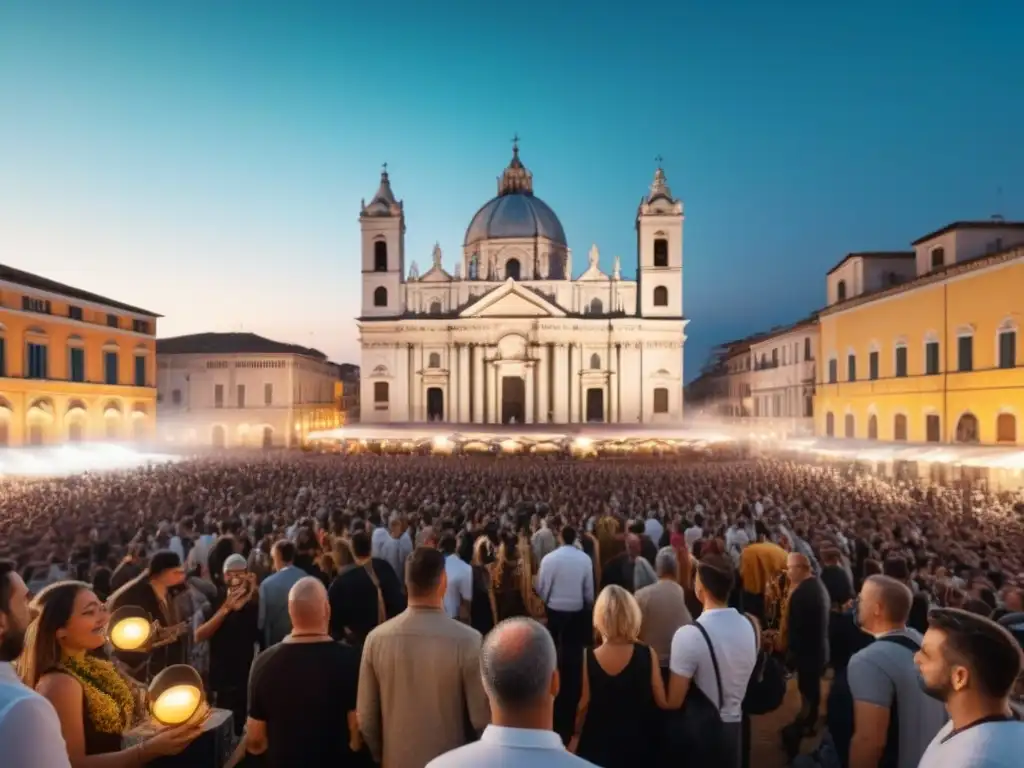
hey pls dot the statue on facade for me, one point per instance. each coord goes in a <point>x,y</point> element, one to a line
<point>414,272</point>
<point>593,256</point>
<point>437,255</point>
<point>617,269</point>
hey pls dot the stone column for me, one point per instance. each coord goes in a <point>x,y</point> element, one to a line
<point>613,384</point>
<point>494,411</point>
<point>530,372</point>
<point>543,383</point>
<point>462,412</point>
<point>476,357</point>
<point>558,374</point>
<point>574,384</point>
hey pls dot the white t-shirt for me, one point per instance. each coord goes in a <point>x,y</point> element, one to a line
<point>987,745</point>
<point>460,584</point>
<point>735,648</point>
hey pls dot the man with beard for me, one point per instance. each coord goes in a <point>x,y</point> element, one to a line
<point>29,727</point>
<point>970,663</point>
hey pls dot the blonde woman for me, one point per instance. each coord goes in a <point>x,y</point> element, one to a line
<point>616,721</point>
<point>94,702</point>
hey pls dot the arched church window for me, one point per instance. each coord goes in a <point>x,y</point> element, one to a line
<point>661,296</point>
<point>660,252</point>
<point>380,297</point>
<point>474,266</point>
<point>435,307</point>
<point>595,362</point>
<point>841,290</point>
<point>434,361</point>
<point>380,256</point>
<point>512,269</point>
<point>596,307</point>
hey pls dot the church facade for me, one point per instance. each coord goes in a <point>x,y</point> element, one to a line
<point>510,336</point>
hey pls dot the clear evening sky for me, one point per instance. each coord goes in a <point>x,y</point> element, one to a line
<point>206,159</point>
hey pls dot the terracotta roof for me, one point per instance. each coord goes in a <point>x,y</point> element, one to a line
<point>987,224</point>
<point>935,276</point>
<point>231,344</point>
<point>872,255</point>
<point>781,330</point>
<point>40,283</point>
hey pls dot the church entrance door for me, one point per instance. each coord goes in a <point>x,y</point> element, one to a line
<point>435,404</point>
<point>513,399</point>
<point>595,404</point>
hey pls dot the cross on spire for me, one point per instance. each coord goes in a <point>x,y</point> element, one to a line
<point>515,140</point>
<point>384,167</point>
<point>659,159</point>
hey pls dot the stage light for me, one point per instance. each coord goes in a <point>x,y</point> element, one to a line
<point>583,443</point>
<point>176,695</point>
<point>129,628</point>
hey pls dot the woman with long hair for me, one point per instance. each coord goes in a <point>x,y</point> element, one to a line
<point>96,704</point>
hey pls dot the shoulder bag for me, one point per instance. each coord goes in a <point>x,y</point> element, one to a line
<point>766,688</point>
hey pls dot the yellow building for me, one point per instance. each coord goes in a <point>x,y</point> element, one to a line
<point>74,366</point>
<point>924,345</point>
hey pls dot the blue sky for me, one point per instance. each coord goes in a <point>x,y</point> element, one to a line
<point>207,159</point>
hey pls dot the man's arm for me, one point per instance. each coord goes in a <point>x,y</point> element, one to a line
<point>368,703</point>
<point>588,584</point>
<point>683,664</point>
<point>465,595</point>
<point>873,694</point>
<point>476,698</point>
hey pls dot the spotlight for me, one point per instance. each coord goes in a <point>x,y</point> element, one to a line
<point>129,628</point>
<point>176,695</point>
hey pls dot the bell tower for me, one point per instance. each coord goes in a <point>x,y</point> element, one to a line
<point>659,247</point>
<point>382,224</point>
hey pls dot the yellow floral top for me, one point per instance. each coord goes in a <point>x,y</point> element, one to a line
<point>109,699</point>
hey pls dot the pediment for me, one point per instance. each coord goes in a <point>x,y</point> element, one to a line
<point>512,300</point>
<point>436,275</point>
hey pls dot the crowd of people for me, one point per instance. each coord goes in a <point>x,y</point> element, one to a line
<point>452,611</point>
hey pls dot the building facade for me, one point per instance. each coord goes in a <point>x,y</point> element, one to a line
<point>723,389</point>
<point>242,390</point>
<point>782,377</point>
<point>510,336</point>
<point>74,366</point>
<point>930,352</point>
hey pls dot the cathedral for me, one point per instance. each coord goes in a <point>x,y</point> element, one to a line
<point>510,336</point>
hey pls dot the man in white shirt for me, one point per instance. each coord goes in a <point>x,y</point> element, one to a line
<point>565,583</point>
<point>970,664</point>
<point>30,735</point>
<point>458,596</point>
<point>732,635</point>
<point>653,528</point>
<point>518,666</point>
<point>694,533</point>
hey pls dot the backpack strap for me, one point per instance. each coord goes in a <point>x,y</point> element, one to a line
<point>382,613</point>
<point>714,662</point>
<point>903,641</point>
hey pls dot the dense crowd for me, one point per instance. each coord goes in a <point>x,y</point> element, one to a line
<point>677,595</point>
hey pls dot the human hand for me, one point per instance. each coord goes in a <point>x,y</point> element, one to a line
<point>173,740</point>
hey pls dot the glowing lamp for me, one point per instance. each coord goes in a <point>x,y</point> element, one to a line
<point>176,695</point>
<point>129,628</point>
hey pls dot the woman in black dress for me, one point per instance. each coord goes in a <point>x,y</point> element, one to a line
<point>617,719</point>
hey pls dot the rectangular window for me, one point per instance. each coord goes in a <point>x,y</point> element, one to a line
<point>901,361</point>
<point>218,396</point>
<point>268,394</point>
<point>1008,349</point>
<point>851,367</point>
<point>112,321</point>
<point>77,364</point>
<point>140,370</point>
<point>140,326</point>
<point>37,358</point>
<point>873,366</point>
<point>380,394</point>
<point>176,396</point>
<point>965,353</point>
<point>30,304</point>
<point>932,428</point>
<point>833,370</point>
<point>931,358</point>
<point>241,395</point>
<point>661,400</point>
<point>75,313</point>
<point>110,367</point>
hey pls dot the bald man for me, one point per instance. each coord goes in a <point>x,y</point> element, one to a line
<point>303,690</point>
<point>519,668</point>
<point>808,652</point>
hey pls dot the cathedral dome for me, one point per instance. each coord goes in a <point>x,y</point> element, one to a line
<point>515,212</point>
